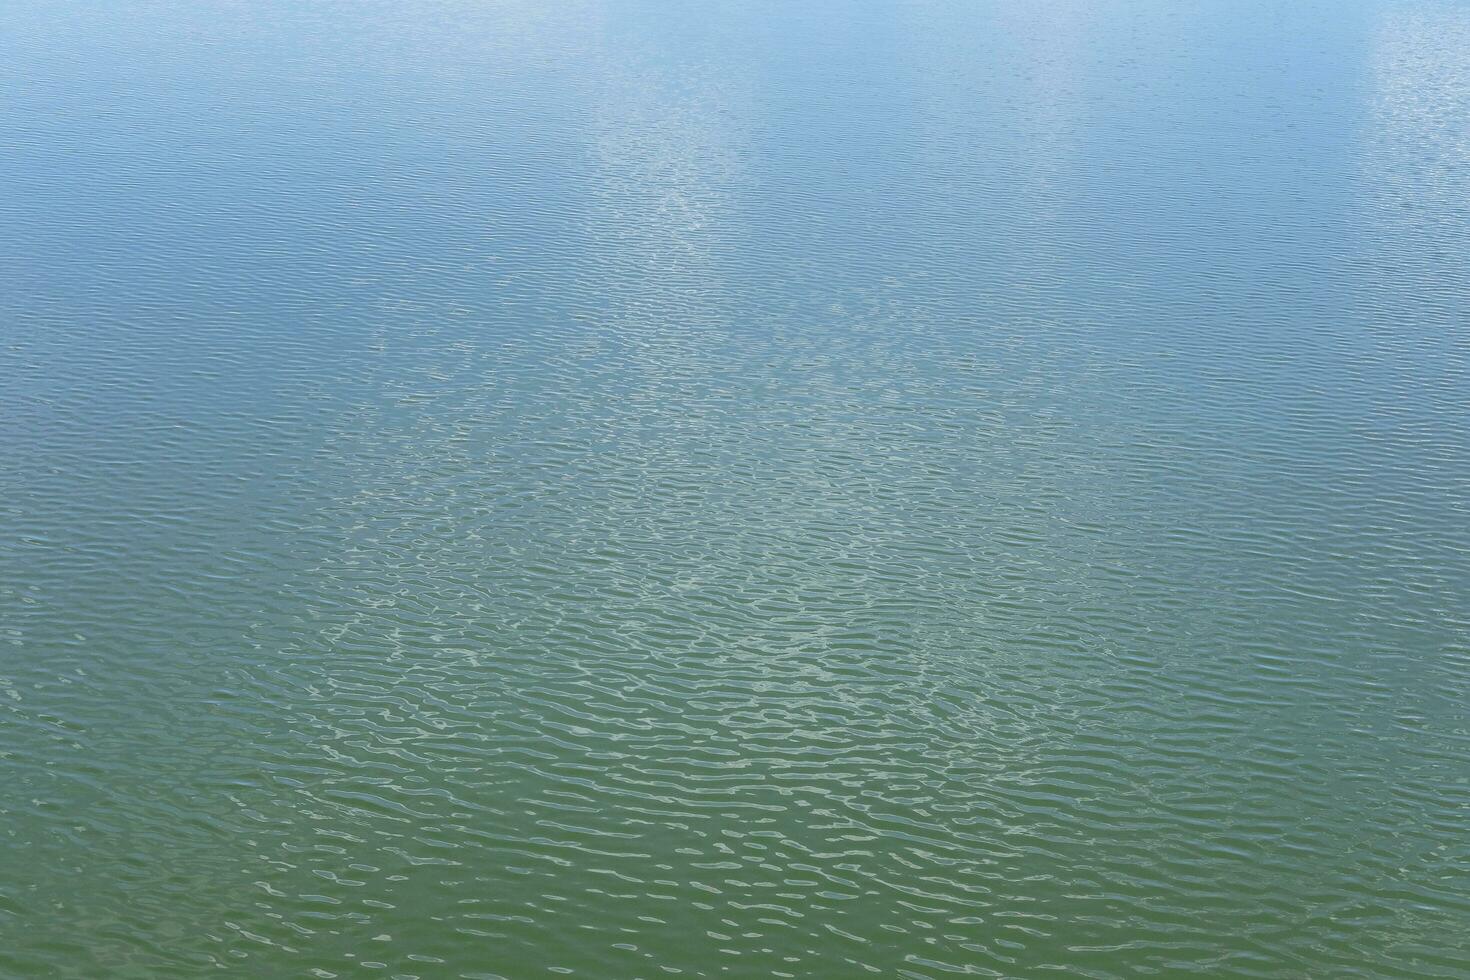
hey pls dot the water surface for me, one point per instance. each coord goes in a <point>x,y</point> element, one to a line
<point>758,489</point>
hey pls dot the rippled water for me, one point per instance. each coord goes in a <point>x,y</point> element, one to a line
<point>736,490</point>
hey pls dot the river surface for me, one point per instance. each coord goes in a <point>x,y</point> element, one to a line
<point>896,488</point>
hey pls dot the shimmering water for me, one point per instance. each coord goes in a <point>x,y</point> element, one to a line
<point>753,489</point>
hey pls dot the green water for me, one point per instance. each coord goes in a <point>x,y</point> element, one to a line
<point>629,489</point>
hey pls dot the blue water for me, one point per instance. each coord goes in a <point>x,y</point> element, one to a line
<point>753,489</point>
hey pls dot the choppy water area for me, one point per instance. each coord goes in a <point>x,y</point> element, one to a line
<point>814,490</point>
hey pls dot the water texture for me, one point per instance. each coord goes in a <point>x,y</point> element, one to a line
<point>755,489</point>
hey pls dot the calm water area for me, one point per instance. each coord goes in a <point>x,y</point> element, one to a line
<point>769,488</point>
